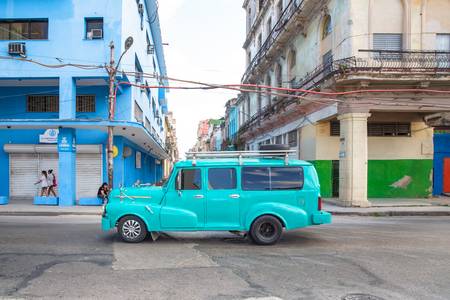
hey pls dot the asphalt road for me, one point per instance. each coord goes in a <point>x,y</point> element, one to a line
<point>70,257</point>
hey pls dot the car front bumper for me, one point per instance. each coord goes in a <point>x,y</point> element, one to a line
<point>321,217</point>
<point>106,224</point>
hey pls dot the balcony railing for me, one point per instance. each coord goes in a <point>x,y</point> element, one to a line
<point>286,15</point>
<point>379,61</point>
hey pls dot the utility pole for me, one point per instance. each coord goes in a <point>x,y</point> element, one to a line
<point>112,70</point>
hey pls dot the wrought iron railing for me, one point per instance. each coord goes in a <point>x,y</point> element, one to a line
<point>292,7</point>
<point>379,61</point>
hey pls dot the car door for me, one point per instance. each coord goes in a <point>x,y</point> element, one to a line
<point>185,201</point>
<point>222,198</point>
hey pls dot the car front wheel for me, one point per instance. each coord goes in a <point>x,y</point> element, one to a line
<point>132,229</point>
<point>266,230</point>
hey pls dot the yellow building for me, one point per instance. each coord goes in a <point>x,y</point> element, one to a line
<point>364,145</point>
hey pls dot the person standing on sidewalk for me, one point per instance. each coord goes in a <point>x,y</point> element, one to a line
<point>44,183</point>
<point>51,181</point>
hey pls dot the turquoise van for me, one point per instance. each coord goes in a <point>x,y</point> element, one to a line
<point>255,192</point>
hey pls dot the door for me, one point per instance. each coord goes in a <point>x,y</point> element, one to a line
<point>222,199</point>
<point>446,185</point>
<point>327,61</point>
<point>23,169</point>
<point>335,178</point>
<point>185,201</point>
<point>89,174</point>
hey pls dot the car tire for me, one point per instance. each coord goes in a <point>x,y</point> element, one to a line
<point>266,230</point>
<point>132,229</point>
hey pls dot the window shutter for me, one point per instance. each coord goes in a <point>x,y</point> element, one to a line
<point>387,41</point>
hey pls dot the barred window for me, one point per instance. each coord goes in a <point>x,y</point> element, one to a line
<point>389,129</point>
<point>335,128</point>
<point>42,103</point>
<point>378,129</point>
<point>138,113</point>
<point>86,103</point>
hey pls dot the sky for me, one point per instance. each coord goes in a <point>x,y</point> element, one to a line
<point>205,40</point>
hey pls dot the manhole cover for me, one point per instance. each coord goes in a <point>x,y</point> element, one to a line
<point>361,297</point>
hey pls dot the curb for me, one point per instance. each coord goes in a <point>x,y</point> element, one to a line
<point>392,213</point>
<point>48,214</point>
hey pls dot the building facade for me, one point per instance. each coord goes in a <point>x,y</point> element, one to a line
<point>209,135</point>
<point>231,123</point>
<point>54,94</point>
<point>171,144</point>
<point>374,144</point>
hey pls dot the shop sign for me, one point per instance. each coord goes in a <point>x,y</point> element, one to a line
<point>50,136</point>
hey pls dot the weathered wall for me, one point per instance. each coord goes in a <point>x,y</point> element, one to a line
<point>409,178</point>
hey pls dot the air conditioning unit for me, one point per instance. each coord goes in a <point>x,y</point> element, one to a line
<point>17,49</point>
<point>141,8</point>
<point>150,49</point>
<point>95,34</point>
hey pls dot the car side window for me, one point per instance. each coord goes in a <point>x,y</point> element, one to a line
<point>189,179</point>
<point>286,178</point>
<point>255,179</point>
<point>222,178</point>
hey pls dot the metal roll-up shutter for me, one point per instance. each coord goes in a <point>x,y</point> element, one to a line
<point>89,174</point>
<point>24,172</point>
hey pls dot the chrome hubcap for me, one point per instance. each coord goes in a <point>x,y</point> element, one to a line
<point>131,229</point>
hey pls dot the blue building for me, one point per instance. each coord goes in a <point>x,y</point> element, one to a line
<point>54,95</point>
<point>231,124</point>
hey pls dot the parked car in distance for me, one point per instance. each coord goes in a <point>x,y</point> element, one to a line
<point>255,192</point>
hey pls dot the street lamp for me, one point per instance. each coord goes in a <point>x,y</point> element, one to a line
<point>112,71</point>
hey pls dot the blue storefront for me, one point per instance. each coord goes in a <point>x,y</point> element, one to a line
<point>54,96</point>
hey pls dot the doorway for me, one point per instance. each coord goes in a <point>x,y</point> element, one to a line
<point>335,178</point>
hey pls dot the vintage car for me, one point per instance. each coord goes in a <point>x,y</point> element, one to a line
<point>255,192</point>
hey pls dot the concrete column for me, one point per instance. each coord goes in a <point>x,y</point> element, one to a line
<point>67,166</point>
<point>67,97</point>
<point>353,160</point>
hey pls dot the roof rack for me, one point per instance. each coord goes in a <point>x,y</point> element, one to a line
<point>240,155</point>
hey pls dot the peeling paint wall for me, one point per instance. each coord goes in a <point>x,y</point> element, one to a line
<point>400,178</point>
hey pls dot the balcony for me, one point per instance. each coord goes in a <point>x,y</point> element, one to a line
<point>292,16</point>
<point>382,65</point>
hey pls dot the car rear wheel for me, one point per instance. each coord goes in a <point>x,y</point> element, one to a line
<point>132,229</point>
<point>266,230</point>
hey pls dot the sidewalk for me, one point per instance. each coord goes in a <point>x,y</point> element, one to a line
<point>439,206</point>
<point>25,209</point>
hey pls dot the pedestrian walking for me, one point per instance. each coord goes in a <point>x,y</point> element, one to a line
<point>103,192</point>
<point>44,183</point>
<point>51,181</point>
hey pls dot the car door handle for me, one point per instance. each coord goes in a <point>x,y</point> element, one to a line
<point>235,196</point>
<point>199,196</point>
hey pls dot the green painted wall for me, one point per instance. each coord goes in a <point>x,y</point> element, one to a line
<point>404,178</point>
<point>408,178</point>
<point>324,171</point>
